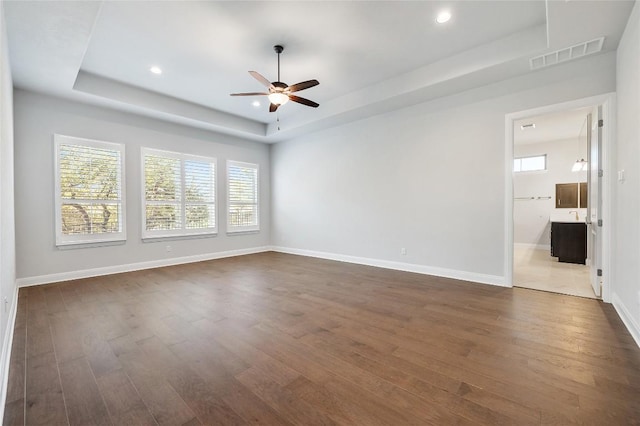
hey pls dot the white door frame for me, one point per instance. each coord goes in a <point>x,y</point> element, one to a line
<point>608,144</point>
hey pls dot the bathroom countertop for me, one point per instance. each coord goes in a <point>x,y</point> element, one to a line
<point>565,217</point>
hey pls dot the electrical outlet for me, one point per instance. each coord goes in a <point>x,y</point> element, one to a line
<point>168,249</point>
<point>403,251</point>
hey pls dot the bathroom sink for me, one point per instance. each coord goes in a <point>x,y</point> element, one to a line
<point>566,217</point>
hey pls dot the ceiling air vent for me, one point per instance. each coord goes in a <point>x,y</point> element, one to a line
<point>567,54</point>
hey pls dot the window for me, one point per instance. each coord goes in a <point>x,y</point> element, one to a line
<point>179,194</point>
<point>530,164</point>
<point>242,214</point>
<point>89,198</point>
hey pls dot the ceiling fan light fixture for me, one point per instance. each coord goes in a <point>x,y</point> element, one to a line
<point>278,98</point>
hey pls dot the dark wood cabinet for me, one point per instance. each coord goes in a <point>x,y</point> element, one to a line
<point>569,242</point>
<point>570,195</point>
<point>566,195</point>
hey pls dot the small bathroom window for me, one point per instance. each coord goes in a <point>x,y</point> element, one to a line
<point>530,164</point>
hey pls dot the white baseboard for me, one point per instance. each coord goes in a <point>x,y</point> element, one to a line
<point>626,317</point>
<point>108,270</point>
<point>400,266</point>
<point>5,358</point>
<point>533,246</point>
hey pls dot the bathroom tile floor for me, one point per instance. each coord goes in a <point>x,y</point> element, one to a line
<point>536,269</point>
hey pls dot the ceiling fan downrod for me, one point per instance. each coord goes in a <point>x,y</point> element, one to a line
<point>278,48</point>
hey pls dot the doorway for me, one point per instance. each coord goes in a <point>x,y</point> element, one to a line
<point>557,192</point>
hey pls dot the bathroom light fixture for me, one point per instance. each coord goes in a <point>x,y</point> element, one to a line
<point>579,165</point>
<point>443,17</point>
<point>155,70</point>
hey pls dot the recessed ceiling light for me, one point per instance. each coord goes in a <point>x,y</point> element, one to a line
<point>443,17</point>
<point>255,104</point>
<point>156,70</point>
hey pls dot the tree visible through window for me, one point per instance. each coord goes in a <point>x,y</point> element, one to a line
<point>89,191</point>
<point>179,194</point>
<point>242,214</point>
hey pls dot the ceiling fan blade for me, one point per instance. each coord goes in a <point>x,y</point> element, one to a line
<point>273,107</point>
<point>304,85</point>
<point>261,79</point>
<point>303,101</point>
<point>249,94</point>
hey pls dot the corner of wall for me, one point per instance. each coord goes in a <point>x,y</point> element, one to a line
<point>8,286</point>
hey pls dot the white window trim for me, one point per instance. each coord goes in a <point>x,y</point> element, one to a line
<point>241,229</point>
<point>177,233</point>
<point>68,240</point>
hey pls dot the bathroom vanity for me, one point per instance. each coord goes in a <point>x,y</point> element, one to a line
<point>569,241</point>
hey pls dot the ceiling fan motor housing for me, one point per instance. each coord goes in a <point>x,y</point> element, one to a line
<point>279,85</point>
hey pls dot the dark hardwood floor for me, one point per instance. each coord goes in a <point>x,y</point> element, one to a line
<point>279,339</point>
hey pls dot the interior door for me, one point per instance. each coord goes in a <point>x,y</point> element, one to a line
<point>594,205</point>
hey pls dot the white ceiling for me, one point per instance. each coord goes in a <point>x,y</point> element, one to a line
<point>552,127</point>
<point>369,56</point>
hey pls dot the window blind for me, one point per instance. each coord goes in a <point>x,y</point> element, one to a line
<point>243,205</point>
<point>179,194</point>
<point>89,191</point>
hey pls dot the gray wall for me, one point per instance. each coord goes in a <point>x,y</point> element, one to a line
<point>38,117</point>
<point>429,178</point>
<point>626,236</point>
